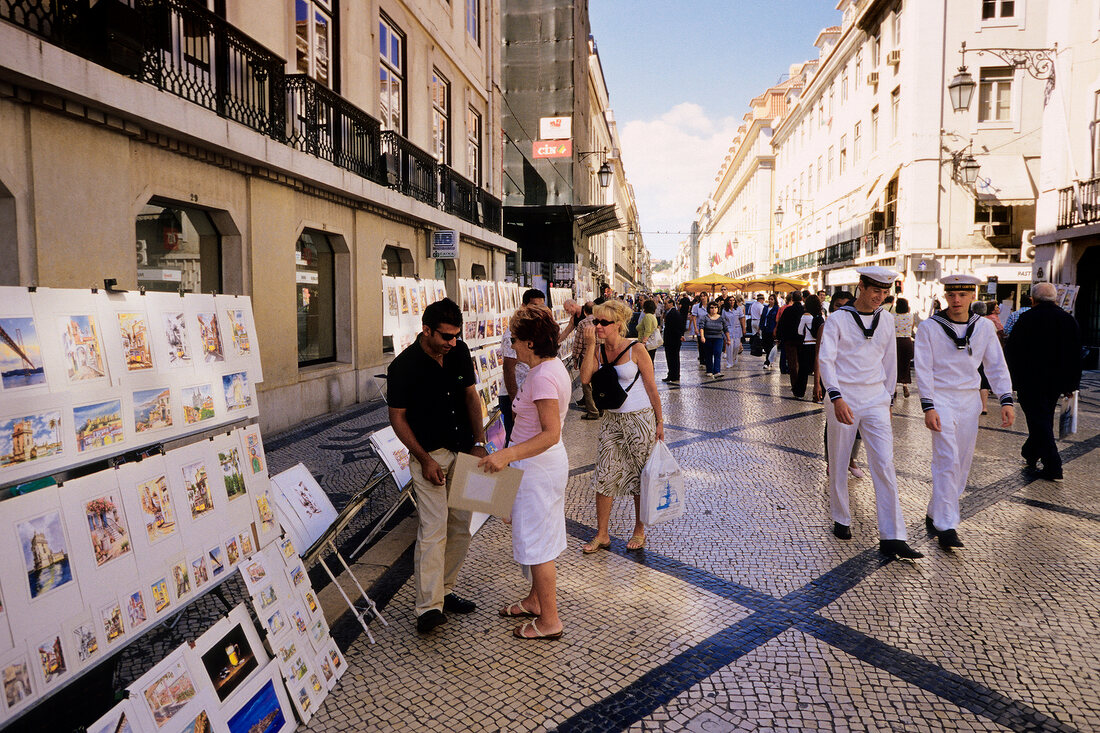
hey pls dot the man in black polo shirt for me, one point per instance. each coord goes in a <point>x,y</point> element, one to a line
<point>436,412</point>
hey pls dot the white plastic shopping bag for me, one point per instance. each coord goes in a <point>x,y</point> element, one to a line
<point>662,487</point>
<point>1067,420</point>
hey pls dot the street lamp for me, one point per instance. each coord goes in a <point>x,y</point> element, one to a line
<point>968,170</point>
<point>961,89</point>
<point>779,215</point>
<point>604,175</point>
<point>1038,62</point>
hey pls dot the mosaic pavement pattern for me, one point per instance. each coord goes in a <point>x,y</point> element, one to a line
<point>747,614</point>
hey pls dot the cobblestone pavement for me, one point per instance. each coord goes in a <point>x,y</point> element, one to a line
<point>747,614</point>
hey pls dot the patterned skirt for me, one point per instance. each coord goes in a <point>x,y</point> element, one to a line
<point>626,441</point>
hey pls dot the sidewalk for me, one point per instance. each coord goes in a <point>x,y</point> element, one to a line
<point>747,614</point>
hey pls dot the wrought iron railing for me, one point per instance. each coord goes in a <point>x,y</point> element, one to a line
<point>194,54</point>
<point>322,123</point>
<point>868,244</point>
<point>890,239</point>
<point>409,169</point>
<point>491,211</point>
<point>1081,206</point>
<point>40,17</point>
<point>458,195</point>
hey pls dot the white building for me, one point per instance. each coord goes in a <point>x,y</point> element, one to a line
<point>869,157</point>
<point>1068,217</point>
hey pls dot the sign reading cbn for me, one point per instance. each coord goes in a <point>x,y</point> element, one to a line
<point>445,244</point>
<point>552,149</point>
<point>555,128</point>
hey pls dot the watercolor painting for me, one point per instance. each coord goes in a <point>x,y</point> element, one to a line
<point>116,721</point>
<point>264,511</point>
<point>82,349</point>
<point>169,693</point>
<point>255,452</point>
<point>181,579</point>
<point>237,395</point>
<point>107,528</point>
<point>111,618</point>
<point>216,556</point>
<point>261,714</point>
<point>391,299</point>
<point>246,542</point>
<point>30,437</point>
<point>136,349</point>
<point>267,596</point>
<point>98,425</point>
<point>232,476</point>
<point>238,331</point>
<point>232,552</point>
<point>199,572</point>
<point>404,299</point>
<point>156,508</point>
<point>287,546</point>
<point>135,609</point>
<point>275,623</point>
<point>152,409</point>
<point>201,724</point>
<point>51,655</point>
<point>20,354</point>
<point>175,331</point>
<point>199,496</point>
<point>159,589</point>
<point>85,641</point>
<point>198,404</point>
<point>210,337</point>
<point>17,682</point>
<point>45,553</point>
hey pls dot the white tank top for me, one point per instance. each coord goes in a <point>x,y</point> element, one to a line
<point>636,398</point>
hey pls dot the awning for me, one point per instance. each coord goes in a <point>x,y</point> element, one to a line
<point>879,185</point>
<point>1004,180</point>
<point>593,220</point>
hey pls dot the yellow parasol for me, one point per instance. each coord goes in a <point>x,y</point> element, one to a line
<point>709,283</point>
<point>777,283</point>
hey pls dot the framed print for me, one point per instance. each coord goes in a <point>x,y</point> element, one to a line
<point>274,621</point>
<point>180,580</point>
<point>324,668</point>
<point>159,596</point>
<point>306,500</point>
<point>82,348</point>
<point>21,364</point>
<point>391,310</point>
<point>167,694</point>
<point>135,340</point>
<point>134,609</point>
<point>286,547</point>
<point>211,348</point>
<point>255,463</point>
<point>215,558</point>
<point>267,595</point>
<point>51,660</point>
<point>267,528</point>
<point>230,652</point>
<point>225,458</point>
<point>237,392</point>
<point>20,683</point>
<point>232,551</point>
<point>30,438</point>
<point>152,507</point>
<point>198,404</point>
<point>296,574</point>
<point>111,623</point>
<point>200,573</point>
<point>336,658</point>
<point>83,637</point>
<point>261,706</point>
<point>254,571</point>
<point>198,484</point>
<point>312,605</point>
<point>239,325</point>
<point>171,335</point>
<point>120,719</point>
<point>98,425</point>
<point>246,542</point>
<point>45,553</point>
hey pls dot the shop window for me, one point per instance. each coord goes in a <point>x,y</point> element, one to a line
<point>178,248</point>
<point>314,277</point>
<point>477,272</point>
<point>999,216</point>
<point>313,39</point>
<point>397,262</point>
<point>391,88</point>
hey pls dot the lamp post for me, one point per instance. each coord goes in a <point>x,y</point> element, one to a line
<point>1038,62</point>
<point>603,175</point>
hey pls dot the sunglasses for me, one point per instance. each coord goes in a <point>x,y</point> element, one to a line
<point>446,336</point>
<point>602,322</point>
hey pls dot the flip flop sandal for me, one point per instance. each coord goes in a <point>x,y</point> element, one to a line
<point>638,540</point>
<point>519,632</point>
<point>590,548</point>
<point>510,613</point>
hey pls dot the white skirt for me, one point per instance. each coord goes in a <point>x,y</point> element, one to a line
<point>538,514</point>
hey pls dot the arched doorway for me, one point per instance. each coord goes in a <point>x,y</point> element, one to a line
<point>1088,302</point>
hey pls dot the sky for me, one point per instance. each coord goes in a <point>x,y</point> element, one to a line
<point>680,74</point>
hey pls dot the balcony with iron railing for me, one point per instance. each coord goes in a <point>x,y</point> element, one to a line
<point>1079,205</point>
<point>187,50</point>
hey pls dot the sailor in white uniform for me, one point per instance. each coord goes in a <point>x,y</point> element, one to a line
<point>857,359</point>
<point>949,348</point>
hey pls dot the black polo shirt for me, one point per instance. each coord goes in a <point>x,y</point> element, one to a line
<point>434,396</point>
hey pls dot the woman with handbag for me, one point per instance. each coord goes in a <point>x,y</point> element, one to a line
<point>734,315</point>
<point>632,423</point>
<point>538,513</point>
<point>713,338</point>
<point>649,333</point>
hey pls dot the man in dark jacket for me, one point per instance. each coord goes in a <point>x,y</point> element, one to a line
<point>786,333</point>
<point>675,326</point>
<point>1044,357</point>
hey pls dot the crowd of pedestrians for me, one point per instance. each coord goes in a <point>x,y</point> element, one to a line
<point>859,348</point>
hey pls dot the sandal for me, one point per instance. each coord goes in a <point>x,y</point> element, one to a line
<point>510,611</point>
<point>636,542</point>
<point>520,632</point>
<point>594,546</point>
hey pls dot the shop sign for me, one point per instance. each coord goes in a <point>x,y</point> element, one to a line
<point>445,244</point>
<point>555,128</point>
<point>552,149</point>
<point>156,275</point>
<point>306,277</point>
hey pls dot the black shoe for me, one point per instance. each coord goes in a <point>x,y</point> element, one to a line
<point>457,604</point>
<point>428,620</point>
<point>929,527</point>
<point>586,416</point>
<point>842,531</point>
<point>1032,466</point>
<point>1051,476</point>
<point>950,538</point>
<point>898,549</point>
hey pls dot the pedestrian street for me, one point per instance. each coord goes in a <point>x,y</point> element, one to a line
<point>747,614</point>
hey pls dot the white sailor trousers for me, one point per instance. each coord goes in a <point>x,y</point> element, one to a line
<point>871,408</point>
<point>952,452</point>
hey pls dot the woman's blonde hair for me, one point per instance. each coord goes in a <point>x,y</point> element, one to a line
<point>614,310</point>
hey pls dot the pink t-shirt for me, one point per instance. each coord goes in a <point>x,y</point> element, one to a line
<point>547,381</point>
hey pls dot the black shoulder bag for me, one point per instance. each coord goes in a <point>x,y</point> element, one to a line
<point>607,393</point>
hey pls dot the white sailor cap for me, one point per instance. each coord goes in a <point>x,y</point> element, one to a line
<point>960,282</point>
<point>881,277</point>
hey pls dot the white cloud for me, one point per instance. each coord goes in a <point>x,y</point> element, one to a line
<point>671,161</point>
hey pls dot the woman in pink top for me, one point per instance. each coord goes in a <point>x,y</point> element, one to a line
<point>536,448</point>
